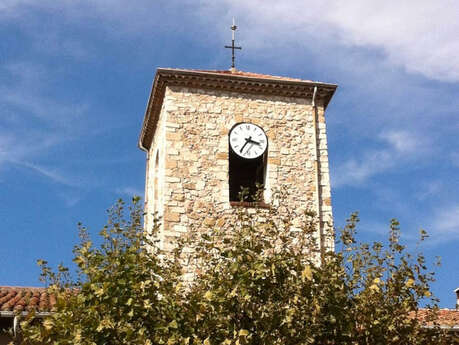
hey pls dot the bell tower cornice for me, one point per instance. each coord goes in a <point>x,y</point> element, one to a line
<point>229,81</point>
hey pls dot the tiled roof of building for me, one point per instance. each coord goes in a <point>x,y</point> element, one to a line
<point>19,299</point>
<point>446,317</point>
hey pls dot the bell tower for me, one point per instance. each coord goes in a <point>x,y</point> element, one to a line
<point>207,134</point>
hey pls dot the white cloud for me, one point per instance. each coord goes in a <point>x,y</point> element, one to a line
<point>403,141</point>
<point>7,6</point>
<point>70,197</point>
<point>129,191</point>
<point>420,36</point>
<point>24,91</point>
<point>114,15</point>
<point>379,228</point>
<point>33,123</point>
<point>429,189</point>
<point>20,145</point>
<point>356,172</point>
<point>401,147</point>
<point>446,223</point>
<point>50,173</point>
<point>454,156</point>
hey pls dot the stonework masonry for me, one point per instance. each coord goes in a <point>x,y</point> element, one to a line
<point>187,165</point>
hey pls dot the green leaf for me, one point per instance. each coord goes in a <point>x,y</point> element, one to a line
<point>243,333</point>
<point>173,324</point>
<point>306,273</point>
<point>208,295</point>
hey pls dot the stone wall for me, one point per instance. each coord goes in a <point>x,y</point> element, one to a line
<point>187,167</point>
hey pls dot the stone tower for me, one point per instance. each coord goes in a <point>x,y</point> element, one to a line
<point>192,167</point>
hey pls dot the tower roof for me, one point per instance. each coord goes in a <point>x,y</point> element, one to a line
<point>232,81</point>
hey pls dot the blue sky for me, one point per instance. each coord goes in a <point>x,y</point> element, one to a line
<point>75,77</point>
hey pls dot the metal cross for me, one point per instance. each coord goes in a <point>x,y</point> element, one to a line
<point>232,46</point>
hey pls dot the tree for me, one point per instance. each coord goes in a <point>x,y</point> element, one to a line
<point>257,282</point>
<point>123,293</point>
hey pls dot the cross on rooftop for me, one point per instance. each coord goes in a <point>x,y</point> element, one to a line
<point>232,46</point>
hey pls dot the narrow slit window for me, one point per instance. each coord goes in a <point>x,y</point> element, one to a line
<point>155,182</point>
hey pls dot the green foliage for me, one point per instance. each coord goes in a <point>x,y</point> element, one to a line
<point>259,281</point>
<point>255,285</point>
<point>124,293</point>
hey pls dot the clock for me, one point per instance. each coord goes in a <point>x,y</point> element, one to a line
<point>247,140</point>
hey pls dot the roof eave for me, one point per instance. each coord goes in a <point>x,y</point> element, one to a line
<point>12,314</point>
<point>169,76</point>
<point>444,327</point>
<point>146,117</point>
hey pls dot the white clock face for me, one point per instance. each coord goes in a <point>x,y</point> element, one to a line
<point>248,140</point>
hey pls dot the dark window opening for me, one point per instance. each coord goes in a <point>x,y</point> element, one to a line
<point>247,175</point>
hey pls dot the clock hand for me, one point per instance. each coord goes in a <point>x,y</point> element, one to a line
<point>254,142</point>
<point>248,150</point>
<point>246,142</point>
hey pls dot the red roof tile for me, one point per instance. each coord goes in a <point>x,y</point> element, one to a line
<point>18,299</point>
<point>251,74</point>
<point>446,317</point>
